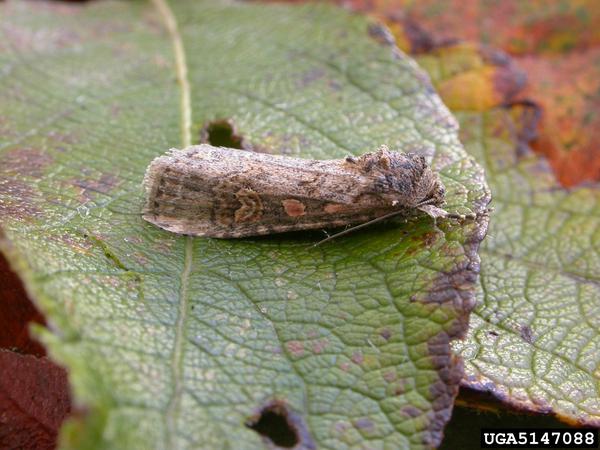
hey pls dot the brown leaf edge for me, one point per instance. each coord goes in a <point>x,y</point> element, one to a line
<point>16,312</point>
<point>519,124</point>
<point>522,126</point>
<point>34,401</point>
<point>35,394</point>
<point>456,290</point>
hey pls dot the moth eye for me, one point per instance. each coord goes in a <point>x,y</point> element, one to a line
<point>440,189</point>
<point>381,185</point>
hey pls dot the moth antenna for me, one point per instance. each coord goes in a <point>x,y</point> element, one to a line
<point>357,227</point>
<point>424,202</point>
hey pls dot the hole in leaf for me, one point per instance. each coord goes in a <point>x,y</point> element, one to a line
<point>221,133</point>
<point>276,423</point>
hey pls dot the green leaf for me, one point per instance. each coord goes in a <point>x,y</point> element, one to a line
<point>534,338</point>
<point>175,342</point>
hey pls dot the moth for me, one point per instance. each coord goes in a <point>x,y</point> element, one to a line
<point>228,193</point>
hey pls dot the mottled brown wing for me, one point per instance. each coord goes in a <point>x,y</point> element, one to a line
<point>225,193</point>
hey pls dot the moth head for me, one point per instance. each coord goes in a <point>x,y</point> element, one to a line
<point>432,188</point>
<point>403,179</point>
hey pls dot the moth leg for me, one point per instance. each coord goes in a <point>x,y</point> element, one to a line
<point>433,211</point>
<point>460,217</point>
<point>472,216</point>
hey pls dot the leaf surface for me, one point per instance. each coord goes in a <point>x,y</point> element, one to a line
<point>176,342</point>
<point>533,340</point>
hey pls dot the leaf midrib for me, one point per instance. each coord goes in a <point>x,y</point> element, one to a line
<point>173,407</point>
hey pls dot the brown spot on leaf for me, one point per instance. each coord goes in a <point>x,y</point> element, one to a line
<point>341,427</point>
<point>428,239</point>
<point>411,411</point>
<point>345,366</point>
<point>357,357</point>
<point>26,161</point>
<point>75,242</point>
<point>294,208</point>
<point>90,187</point>
<point>310,76</point>
<point>18,200</point>
<point>423,240</point>
<point>283,143</point>
<point>364,424</point>
<point>140,258</point>
<point>399,387</point>
<point>163,246</point>
<point>386,333</point>
<point>133,239</point>
<point>276,349</point>
<point>320,345</point>
<point>527,334</point>
<point>296,348</point>
<point>334,85</point>
<point>389,376</point>
<point>61,138</point>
